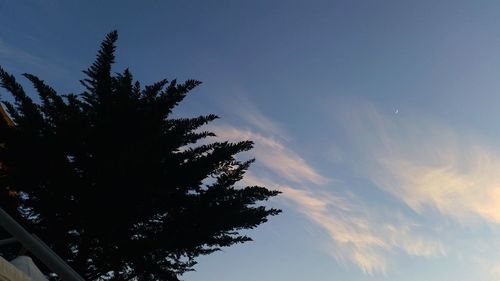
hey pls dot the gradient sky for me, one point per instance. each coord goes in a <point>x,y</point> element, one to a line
<point>378,120</point>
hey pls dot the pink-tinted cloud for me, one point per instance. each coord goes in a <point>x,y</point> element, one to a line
<point>356,234</point>
<point>429,167</point>
<point>274,155</point>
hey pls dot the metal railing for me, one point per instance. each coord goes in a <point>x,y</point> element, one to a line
<point>36,246</point>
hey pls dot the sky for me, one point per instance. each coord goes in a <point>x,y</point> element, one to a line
<point>378,120</point>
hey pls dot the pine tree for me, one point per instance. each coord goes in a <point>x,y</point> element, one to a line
<point>115,185</point>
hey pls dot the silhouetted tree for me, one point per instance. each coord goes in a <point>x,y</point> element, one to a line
<point>117,187</point>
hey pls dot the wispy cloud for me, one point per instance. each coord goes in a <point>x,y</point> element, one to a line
<point>8,51</point>
<point>359,237</point>
<point>356,233</point>
<point>430,167</point>
<point>274,155</point>
<point>247,111</point>
<point>22,56</point>
<point>454,190</point>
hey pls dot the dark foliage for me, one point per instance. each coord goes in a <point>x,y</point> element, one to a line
<point>113,184</point>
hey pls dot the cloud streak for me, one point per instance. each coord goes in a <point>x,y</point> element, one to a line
<point>12,53</point>
<point>357,236</point>
<point>274,155</point>
<point>355,233</point>
<point>430,167</point>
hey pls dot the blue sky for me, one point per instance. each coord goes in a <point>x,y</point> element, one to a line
<point>378,120</point>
